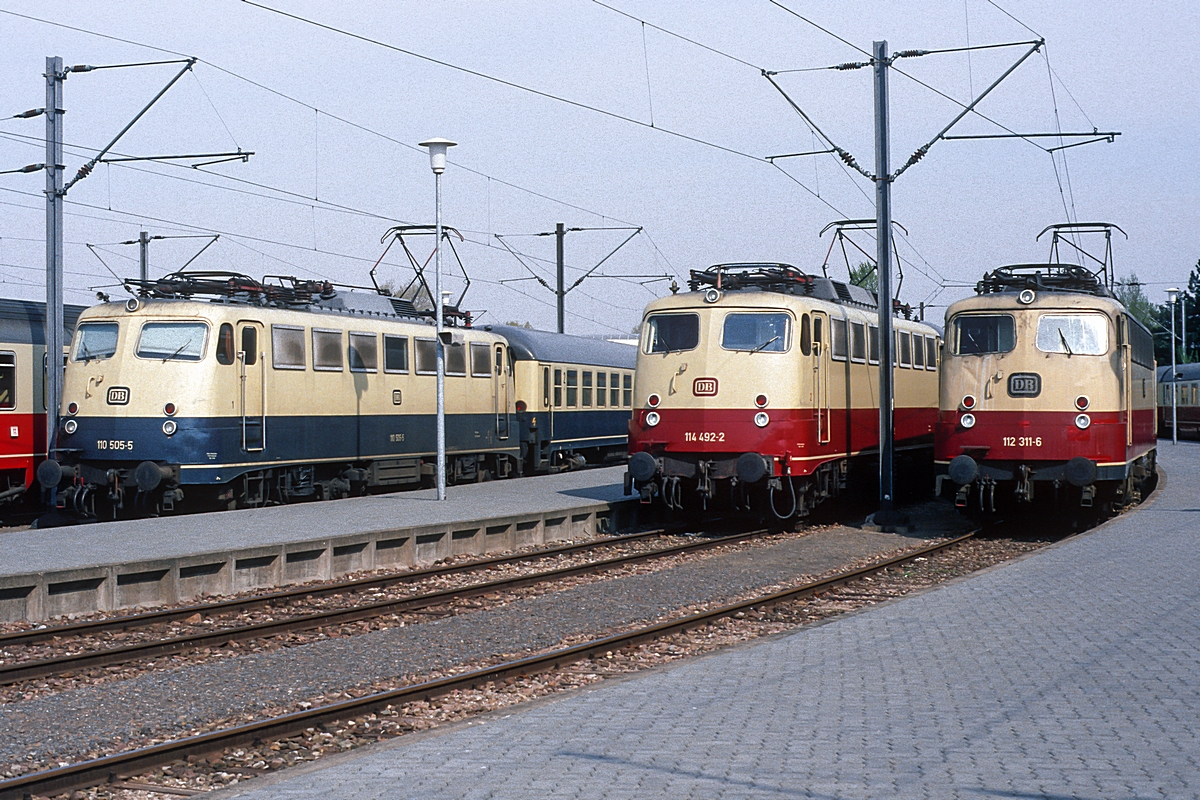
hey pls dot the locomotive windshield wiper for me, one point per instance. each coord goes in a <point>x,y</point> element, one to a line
<point>767,343</point>
<point>189,341</point>
<point>1064,341</point>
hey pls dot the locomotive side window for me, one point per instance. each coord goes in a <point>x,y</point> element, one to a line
<point>918,345</point>
<point>615,391</point>
<point>287,347</point>
<point>805,335</point>
<point>905,348</point>
<point>173,341</point>
<point>1073,334</point>
<point>601,388</point>
<point>8,380</point>
<point>873,344</point>
<point>364,352</point>
<point>931,352</point>
<point>572,388</point>
<point>837,329</point>
<point>327,350</point>
<point>671,333</point>
<point>817,335</point>
<point>858,342</point>
<point>558,398</point>
<point>456,360</point>
<point>250,345</point>
<point>426,350</point>
<point>977,334</point>
<point>95,340</point>
<point>225,344</point>
<point>756,332</point>
<point>627,400</point>
<point>395,353</point>
<point>1141,343</point>
<point>587,389</point>
<point>481,360</point>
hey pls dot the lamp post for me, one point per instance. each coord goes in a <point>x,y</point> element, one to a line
<point>1171,295</point>
<point>437,162</point>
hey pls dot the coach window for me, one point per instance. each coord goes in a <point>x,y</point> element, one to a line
<point>627,400</point>
<point>587,389</point>
<point>1073,334</point>
<point>872,344</point>
<point>614,396</point>
<point>95,340</point>
<point>327,350</point>
<point>572,388</point>
<point>918,344</point>
<point>756,332</point>
<point>805,335</point>
<point>905,348</point>
<point>558,387</point>
<point>395,353</point>
<point>8,380</point>
<point>931,352</point>
<point>173,341</point>
<point>426,350</point>
<point>250,344</point>
<point>601,388</point>
<point>287,347</point>
<point>978,334</point>
<point>858,342</point>
<point>838,331</point>
<point>364,352</point>
<point>225,344</point>
<point>671,333</point>
<point>481,360</point>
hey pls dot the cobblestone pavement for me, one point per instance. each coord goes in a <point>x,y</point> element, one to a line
<point>1074,673</point>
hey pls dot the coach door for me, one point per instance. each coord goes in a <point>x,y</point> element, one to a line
<point>253,400</point>
<point>502,390</point>
<point>547,406</point>
<point>820,368</point>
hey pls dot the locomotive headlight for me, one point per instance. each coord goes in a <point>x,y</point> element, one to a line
<point>1026,296</point>
<point>652,419</point>
<point>70,426</point>
<point>1083,422</point>
<point>653,401</point>
<point>1082,402</point>
<point>967,420</point>
<point>761,419</point>
<point>968,402</point>
<point>169,427</point>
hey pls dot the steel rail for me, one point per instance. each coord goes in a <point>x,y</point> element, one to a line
<point>133,762</point>
<point>132,621</point>
<point>30,670</point>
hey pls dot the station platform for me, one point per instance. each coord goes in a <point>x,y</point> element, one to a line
<point>80,569</point>
<point>1074,672</point>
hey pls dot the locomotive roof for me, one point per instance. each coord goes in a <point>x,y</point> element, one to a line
<point>24,321</point>
<point>534,345</point>
<point>1007,300</point>
<point>1183,372</point>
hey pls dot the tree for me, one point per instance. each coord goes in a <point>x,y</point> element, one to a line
<point>865,275</point>
<point>1129,292</point>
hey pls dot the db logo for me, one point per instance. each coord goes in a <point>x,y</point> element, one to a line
<point>704,387</point>
<point>118,395</point>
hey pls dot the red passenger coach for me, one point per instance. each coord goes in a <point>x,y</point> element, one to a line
<point>759,387</point>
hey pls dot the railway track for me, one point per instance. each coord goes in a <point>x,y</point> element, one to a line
<point>49,667</point>
<point>131,763</point>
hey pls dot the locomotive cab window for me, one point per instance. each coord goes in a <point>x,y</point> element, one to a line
<point>671,333</point>
<point>481,360</point>
<point>225,344</point>
<point>173,341</point>
<point>756,332</point>
<point>838,349</point>
<point>287,347</point>
<point>8,381</point>
<point>1073,334</point>
<point>363,353</point>
<point>395,353</point>
<point>327,350</point>
<point>980,334</point>
<point>95,340</point>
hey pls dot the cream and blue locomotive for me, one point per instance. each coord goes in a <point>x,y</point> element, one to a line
<point>269,393</point>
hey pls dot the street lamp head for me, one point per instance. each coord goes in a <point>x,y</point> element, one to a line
<point>1171,295</point>
<point>437,153</point>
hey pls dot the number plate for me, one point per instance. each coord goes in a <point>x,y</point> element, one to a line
<point>704,436</point>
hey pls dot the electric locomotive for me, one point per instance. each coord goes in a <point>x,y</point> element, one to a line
<point>1186,407</point>
<point>23,392</point>
<point>758,389</point>
<point>1047,389</point>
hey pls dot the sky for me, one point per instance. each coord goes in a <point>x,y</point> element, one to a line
<point>602,116</point>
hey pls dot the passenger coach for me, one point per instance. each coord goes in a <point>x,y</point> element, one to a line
<point>758,388</point>
<point>1186,387</point>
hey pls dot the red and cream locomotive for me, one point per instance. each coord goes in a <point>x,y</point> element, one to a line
<point>758,388</point>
